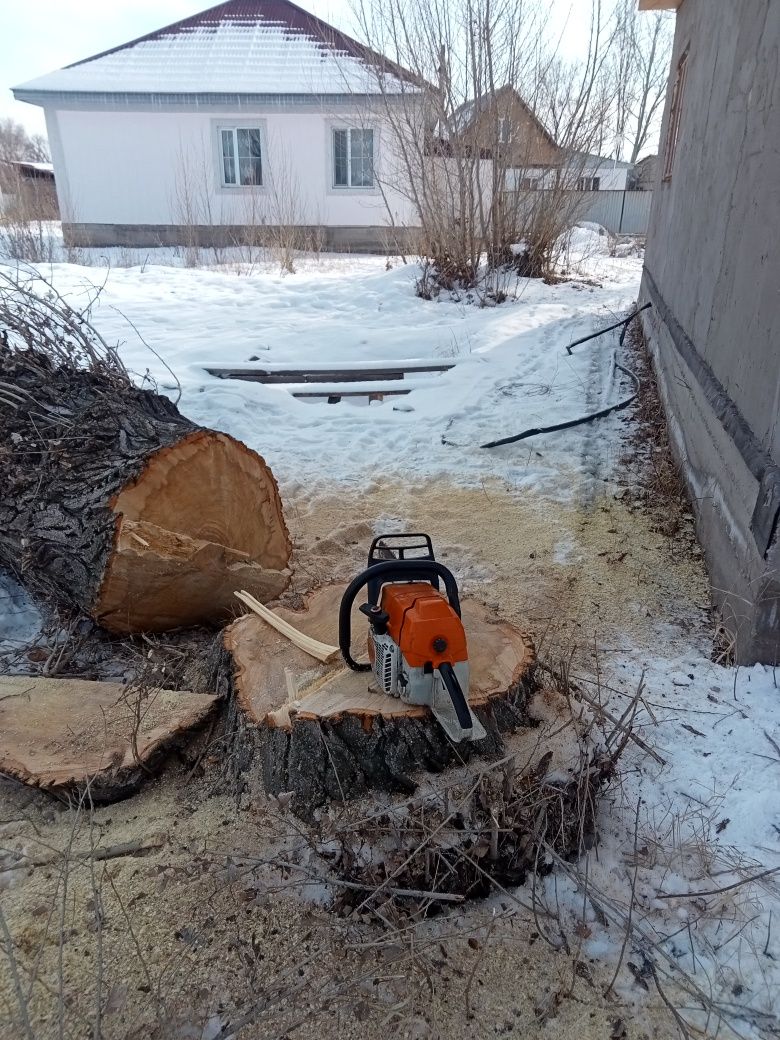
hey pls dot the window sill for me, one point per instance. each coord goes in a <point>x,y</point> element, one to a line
<point>337,190</point>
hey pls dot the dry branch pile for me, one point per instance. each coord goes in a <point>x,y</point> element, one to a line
<point>112,501</point>
<point>493,834</point>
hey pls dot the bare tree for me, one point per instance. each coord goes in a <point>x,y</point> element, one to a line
<point>17,145</point>
<point>488,129</point>
<point>641,56</point>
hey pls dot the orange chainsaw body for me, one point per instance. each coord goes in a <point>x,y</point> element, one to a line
<point>423,624</point>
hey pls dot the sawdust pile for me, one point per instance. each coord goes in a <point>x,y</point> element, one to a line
<point>572,574</point>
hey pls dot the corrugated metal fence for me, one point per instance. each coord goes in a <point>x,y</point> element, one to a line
<point>622,212</point>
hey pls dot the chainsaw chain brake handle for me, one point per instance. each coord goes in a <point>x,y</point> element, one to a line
<point>379,573</point>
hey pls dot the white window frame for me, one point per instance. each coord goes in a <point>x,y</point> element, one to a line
<point>349,186</point>
<point>234,127</point>
<point>504,130</point>
<point>589,183</point>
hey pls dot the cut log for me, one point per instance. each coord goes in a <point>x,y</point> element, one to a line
<point>63,735</point>
<point>115,503</point>
<point>324,732</point>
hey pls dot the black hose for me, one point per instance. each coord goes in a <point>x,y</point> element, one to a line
<point>603,412</point>
<point>609,328</point>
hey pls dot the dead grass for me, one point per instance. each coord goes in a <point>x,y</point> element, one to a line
<point>658,486</point>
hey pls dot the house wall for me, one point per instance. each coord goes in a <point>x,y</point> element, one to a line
<point>712,272</point>
<point>611,177</point>
<point>144,174</point>
<point>529,145</point>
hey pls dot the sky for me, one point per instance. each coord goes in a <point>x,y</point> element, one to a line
<point>45,35</point>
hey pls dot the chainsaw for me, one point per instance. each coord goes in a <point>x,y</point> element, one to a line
<point>416,641</point>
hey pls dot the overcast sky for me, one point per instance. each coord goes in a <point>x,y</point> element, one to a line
<point>43,35</point>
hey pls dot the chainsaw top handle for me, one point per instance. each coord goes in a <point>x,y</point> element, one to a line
<point>377,574</point>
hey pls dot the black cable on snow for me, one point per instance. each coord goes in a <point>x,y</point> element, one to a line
<point>602,412</point>
<point>610,328</point>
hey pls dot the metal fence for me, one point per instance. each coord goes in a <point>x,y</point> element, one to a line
<point>622,212</point>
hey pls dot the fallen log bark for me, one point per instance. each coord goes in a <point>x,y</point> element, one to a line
<point>322,732</point>
<point>114,502</point>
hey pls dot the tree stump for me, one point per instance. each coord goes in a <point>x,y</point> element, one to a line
<point>115,503</point>
<point>63,735</point>
<point>324,733</point>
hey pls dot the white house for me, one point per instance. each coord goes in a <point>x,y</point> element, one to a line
<point>252,113</point>
<point>596,173</point>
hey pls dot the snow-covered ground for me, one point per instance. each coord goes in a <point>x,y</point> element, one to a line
<point>707,819</point>
<point>511,370</point>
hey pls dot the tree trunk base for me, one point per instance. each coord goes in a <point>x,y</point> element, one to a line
<point>323,733</point>
<point>117,504</point>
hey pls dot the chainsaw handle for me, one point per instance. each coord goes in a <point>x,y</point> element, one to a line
<point>403,570</point>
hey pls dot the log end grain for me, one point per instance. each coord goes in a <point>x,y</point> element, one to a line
<point>67,735</point>
<point>203,518</point>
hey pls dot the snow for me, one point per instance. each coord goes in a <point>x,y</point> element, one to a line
<point>19,619</point>
<point>709,817</point>
<point>510,367</point>
<point>261,57</point>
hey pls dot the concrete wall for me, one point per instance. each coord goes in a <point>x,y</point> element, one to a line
<point>157,167</point>
<point>713,273</point>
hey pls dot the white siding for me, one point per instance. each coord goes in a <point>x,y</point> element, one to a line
<point>611,177</point>
<point>139,167</point>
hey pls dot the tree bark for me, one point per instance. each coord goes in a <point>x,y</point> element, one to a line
<point>113,502</point>
<point>322,733</point>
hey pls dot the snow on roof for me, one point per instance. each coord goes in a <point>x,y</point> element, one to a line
<point>241,46</point>
<point>41,167</point>
<point>601,160</point>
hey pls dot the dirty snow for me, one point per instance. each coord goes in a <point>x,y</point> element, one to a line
<point>708,818</point>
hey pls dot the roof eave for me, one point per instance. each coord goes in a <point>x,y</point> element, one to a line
<point>42,96</point>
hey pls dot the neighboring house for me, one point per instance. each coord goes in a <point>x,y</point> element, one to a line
<point>252,113</point>
<point>595,173</point>
<point>503,125</point>
<point>643,174</point>
<point>27,187</point>
<point>712,274</point>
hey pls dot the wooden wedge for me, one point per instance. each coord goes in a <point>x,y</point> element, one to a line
<point>322,651</point>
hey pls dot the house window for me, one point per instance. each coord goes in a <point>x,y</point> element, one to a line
<point>589,184</point>
<point>241,155</point>
<point>353,158</point>
<point>673,130</point>
<point>529,184</point>
<point>504,130</point>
